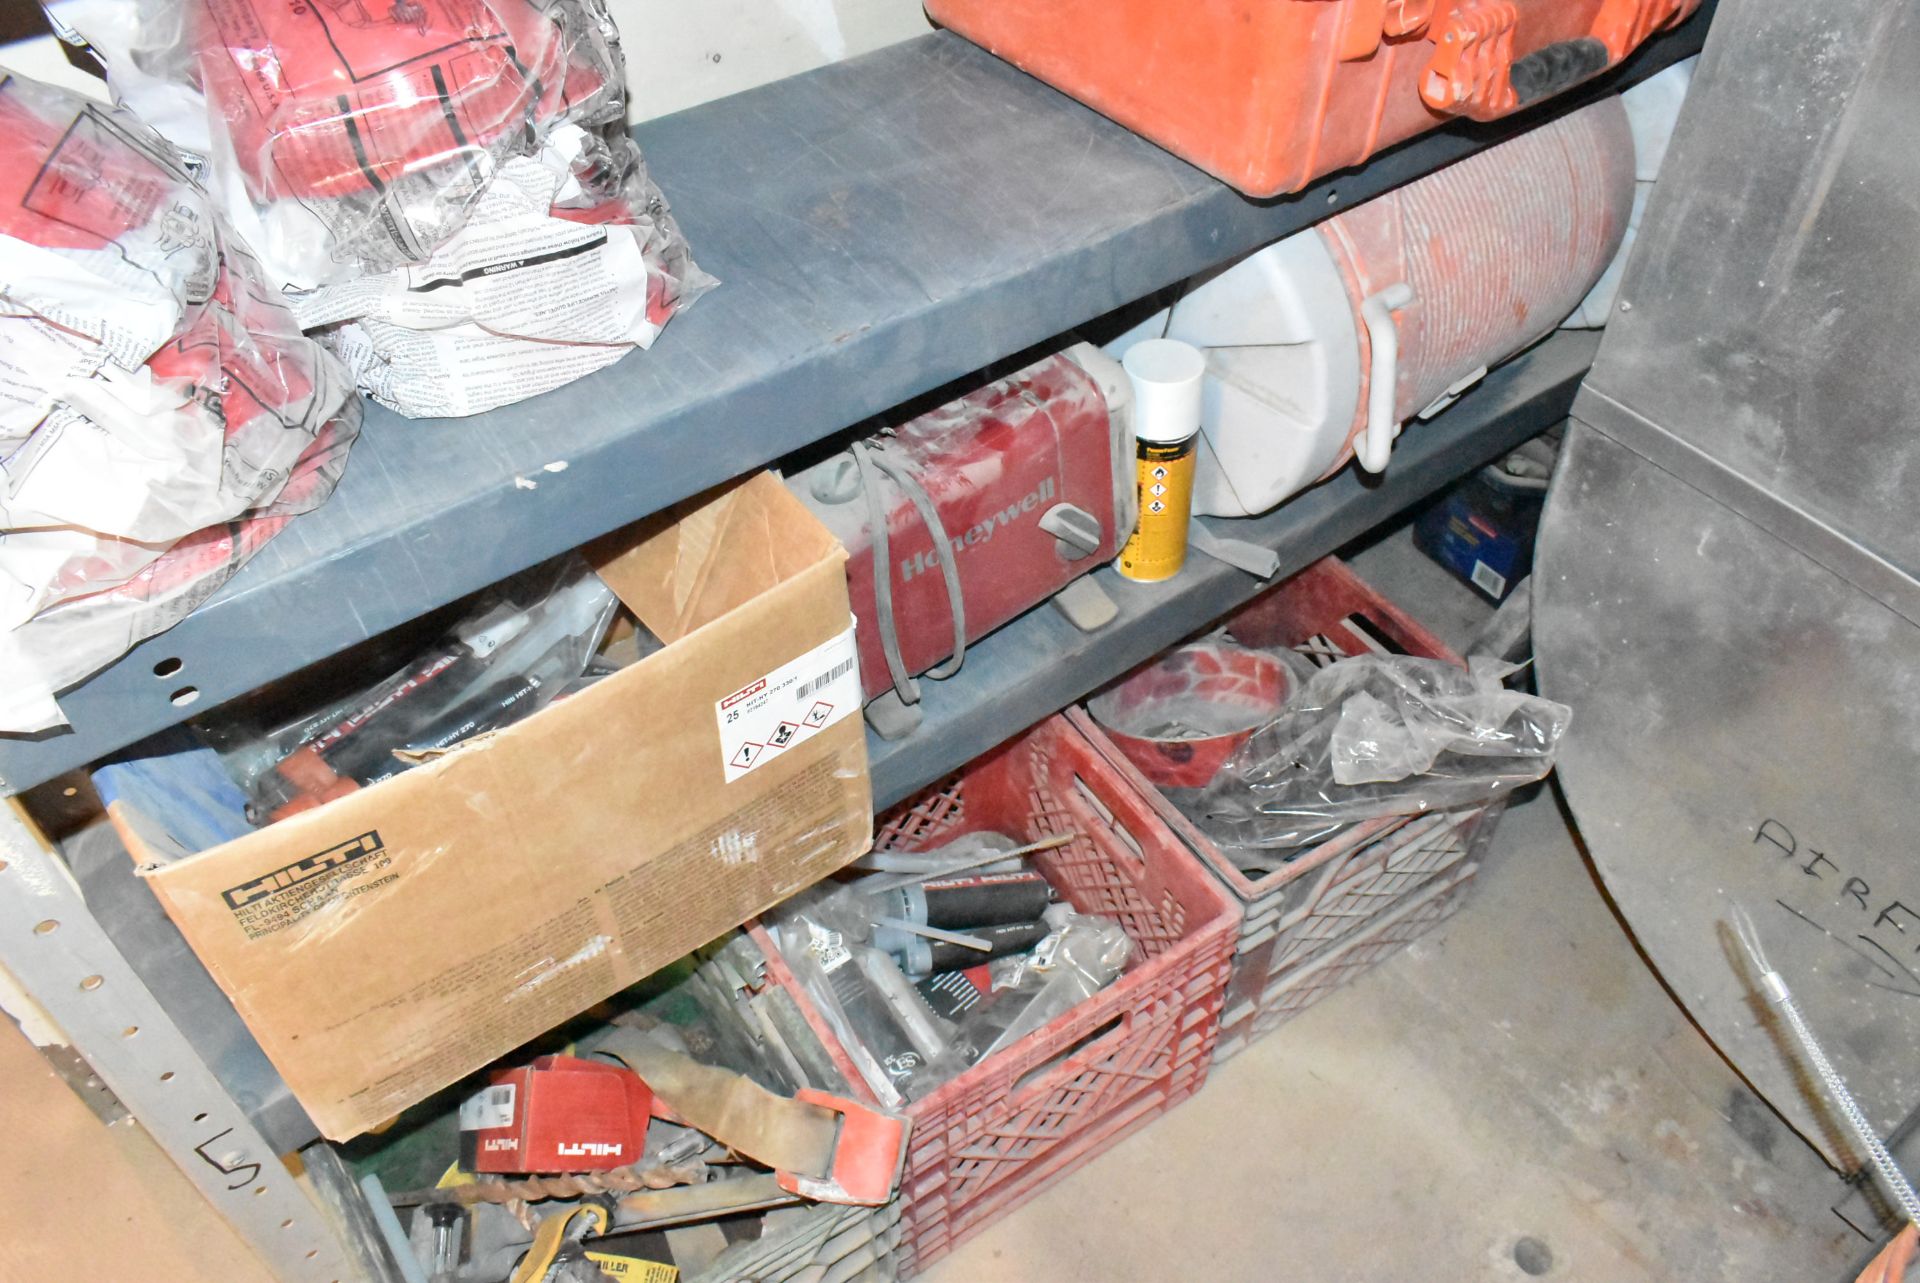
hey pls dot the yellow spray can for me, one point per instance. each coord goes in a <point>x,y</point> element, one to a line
<point>1166,375</point>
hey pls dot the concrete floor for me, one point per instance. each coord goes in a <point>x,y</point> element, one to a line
<point>1519,1074</point>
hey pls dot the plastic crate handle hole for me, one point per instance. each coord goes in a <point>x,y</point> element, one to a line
<point>1119,1024</point>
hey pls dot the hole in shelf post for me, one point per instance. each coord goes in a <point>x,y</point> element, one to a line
<point>185,696</point>
<point>167,667</point>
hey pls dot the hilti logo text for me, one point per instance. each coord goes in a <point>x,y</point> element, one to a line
<point>743,692</point>
<point>921,562</point>
<point>588,1149</point>
<point>496,1146</point>
<point>304,870</point>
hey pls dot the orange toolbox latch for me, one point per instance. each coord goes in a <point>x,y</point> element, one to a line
<point>1364,22</point>
<point>1474,73</point>
<point>1471,73</point>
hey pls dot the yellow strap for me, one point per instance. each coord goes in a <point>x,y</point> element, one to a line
<point>551,1237</point>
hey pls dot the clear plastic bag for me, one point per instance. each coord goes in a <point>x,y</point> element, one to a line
<point>353,142</point>
<point>1083,955</point>
<point>1380,735</point>
<point>161,413</point>
<point>549,280</point>
<point>515,650</point>
<point>352,136</point>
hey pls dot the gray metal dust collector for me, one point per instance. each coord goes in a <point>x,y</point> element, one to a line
<point>1727,583</point>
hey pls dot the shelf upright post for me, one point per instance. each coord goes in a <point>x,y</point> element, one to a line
<point>60,957</point>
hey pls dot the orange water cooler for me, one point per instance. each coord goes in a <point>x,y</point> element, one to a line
<point>1321,347</point>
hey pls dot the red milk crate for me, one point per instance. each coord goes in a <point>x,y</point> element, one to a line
<point>1297,988</point>
<point>985,1141</point>
<point>1348,886</point>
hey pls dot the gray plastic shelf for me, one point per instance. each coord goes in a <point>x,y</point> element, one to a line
<point>1040,663</point>
<point>882,227</point>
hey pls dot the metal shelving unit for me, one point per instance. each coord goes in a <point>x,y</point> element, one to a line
<point>883,227</point>
<point>1012,678</point>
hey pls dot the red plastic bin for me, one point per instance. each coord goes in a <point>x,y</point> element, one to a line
<point>1348,886</point>
<point>1297,988</point>
<point>983,1142</point>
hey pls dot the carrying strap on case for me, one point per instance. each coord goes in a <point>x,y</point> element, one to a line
<point>820,1146</point>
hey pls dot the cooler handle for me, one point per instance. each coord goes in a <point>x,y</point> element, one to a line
<point>1383,375</point>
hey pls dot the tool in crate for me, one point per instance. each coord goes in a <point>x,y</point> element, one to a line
<point>601,1134</point>
<point>660,1212</point>
<point>589,1121</point>
<point>924,973</point>
<point>975,512</point>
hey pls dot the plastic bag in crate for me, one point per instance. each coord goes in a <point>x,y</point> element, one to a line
<point>1304,905</point>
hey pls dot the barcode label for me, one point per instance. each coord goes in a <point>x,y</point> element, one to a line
<point>824,680</point>
<point>488,1109</point>
<point>829,948</point>
<point>1488,580</point>
<point>772,714</point>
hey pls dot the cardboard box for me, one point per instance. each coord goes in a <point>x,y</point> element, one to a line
<point>395,940</point>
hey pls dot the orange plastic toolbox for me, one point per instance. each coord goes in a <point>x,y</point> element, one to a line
<point>1337,909</point>
<point>1270,94</point>
<point>984,1141</point>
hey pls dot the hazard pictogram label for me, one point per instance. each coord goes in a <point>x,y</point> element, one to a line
<point>1157,489</point>
<point>1159,473</point>
<point>773,716</point>
<point>1156,506</point>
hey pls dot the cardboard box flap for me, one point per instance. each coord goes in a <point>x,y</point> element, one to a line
<point>713,554</point>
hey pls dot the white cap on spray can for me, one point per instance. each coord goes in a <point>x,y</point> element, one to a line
<point>1167,377</point>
